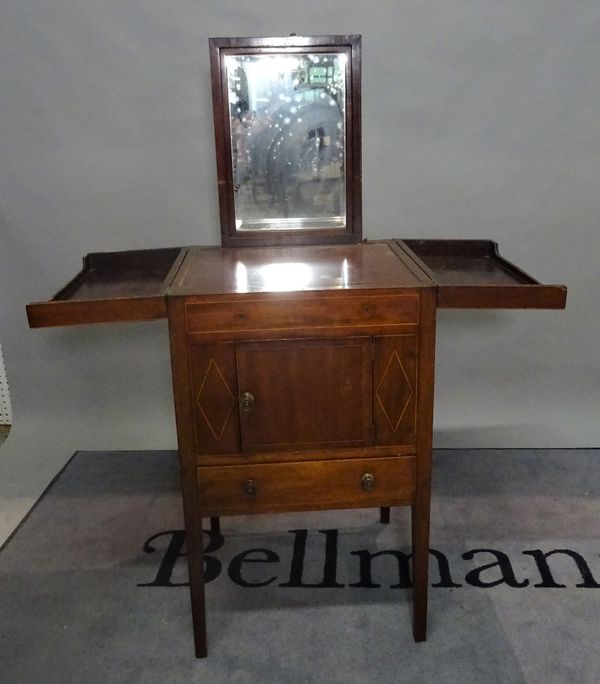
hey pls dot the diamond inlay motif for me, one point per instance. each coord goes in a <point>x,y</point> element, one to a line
<point>215,400</point>
<point>394,391</point>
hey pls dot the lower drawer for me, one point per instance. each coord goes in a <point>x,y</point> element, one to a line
<point>301,486</point>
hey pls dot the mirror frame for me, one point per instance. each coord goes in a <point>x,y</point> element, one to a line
<point>346,44</point>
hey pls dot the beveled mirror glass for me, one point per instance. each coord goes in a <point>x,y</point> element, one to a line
<point>287,127</point>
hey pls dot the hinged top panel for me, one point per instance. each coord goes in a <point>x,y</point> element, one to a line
<point>111,287</point>
<point>471,274</point>
<point>212,270</point>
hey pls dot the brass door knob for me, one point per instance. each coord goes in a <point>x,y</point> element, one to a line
<point>250,488</point>
<point>247,401</point>
<point>367,482</point>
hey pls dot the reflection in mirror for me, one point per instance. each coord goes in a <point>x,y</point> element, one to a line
<point>287,129</point>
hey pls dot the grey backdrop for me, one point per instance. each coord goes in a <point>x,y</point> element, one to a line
<point>480,120</point>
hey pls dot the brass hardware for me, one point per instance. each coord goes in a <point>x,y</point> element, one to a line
<point>250,488</point>
<point>247,401</point>
<point>367,482</point>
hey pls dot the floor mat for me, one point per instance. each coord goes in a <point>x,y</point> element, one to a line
<point>93,583</point>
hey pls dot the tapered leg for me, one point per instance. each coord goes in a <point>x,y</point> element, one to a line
<point>195,556</point>
<point>422,498</point>
<point>194,536</point>
<point>384,515</point>
<point>215,527</point>
<point>420,568</point>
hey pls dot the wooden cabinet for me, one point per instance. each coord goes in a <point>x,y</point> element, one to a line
<point>303,376</point>
<point>303,380</point>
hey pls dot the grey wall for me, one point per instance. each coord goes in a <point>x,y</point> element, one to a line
<point>480,119</point>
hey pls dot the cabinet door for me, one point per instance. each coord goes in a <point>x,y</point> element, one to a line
<point>305,394</point>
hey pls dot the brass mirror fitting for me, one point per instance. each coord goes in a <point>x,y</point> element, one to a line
<point>367,482</point>
<point>247,401</point>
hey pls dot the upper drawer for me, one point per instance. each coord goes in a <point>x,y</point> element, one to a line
<point>472,274</point>
<point>294,314</point>
<point>112,286</point>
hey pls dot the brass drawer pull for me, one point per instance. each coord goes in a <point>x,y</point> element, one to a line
<point>250,488</point>
<point>247,401</point>
<point>368,482</point>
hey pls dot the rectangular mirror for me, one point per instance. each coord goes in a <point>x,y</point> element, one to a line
<point>287,129</point>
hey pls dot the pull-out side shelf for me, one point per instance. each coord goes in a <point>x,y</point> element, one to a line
<point>112,287</point>
<point>472,274</point>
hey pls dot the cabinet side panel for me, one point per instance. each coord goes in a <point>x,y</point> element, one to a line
<point>214,398</point>
<point>395,389</point>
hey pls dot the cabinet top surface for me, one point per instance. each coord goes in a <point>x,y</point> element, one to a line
<point>292,269</point>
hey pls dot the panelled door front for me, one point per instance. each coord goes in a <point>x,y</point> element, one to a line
<point>305,394</point>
